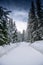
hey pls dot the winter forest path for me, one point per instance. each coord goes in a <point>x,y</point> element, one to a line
<point>22,55</point>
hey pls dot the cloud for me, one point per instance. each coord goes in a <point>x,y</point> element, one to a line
<point>20,17</point>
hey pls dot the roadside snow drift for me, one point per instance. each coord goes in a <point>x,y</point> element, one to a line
<point>7,48</point>
<point>38,45</point>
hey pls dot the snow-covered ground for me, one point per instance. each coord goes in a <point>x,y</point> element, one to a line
<point>38,45</point>
<point>23,54</point>
<point>7,48</point>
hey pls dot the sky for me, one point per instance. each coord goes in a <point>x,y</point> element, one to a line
<point>19,14</point>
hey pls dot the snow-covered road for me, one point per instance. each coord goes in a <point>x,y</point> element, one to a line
<point>22,55</point>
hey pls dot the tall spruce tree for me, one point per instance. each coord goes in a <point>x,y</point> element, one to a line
<point>3,26</point>
<point>23,35</point>
<point>14,37</point>
<point>10,30</point>
<point>40,18</point>
<point>5,33</point>
<point>32,23</point>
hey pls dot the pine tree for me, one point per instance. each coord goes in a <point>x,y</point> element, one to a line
<point>3,26</point>
<point>32,23</point>
<point>19,35</point>
<point>5,33</point>
<point>39,17</point>
<point>15,37</point>
<point>35,22</point>
<point>1,33</point>
<point>23,35</point>
<point>10,30</point>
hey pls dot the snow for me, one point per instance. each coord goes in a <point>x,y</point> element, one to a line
<point>38,45</point>
<point>6,48</point>
<point>23,54</point>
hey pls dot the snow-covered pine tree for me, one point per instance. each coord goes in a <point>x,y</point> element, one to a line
<point>14,37</point>
<point>32,24</point>
<point>23,35</point>
<point>3,26</point>
<point>5,33</point>
<point>28,32</point>
<point>10,30</point>
<point>19,35</point>
<point>40,18</point>
<point>1,33</point>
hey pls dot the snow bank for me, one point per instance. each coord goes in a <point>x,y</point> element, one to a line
<point>38,45</point>
<point>6,48</point>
